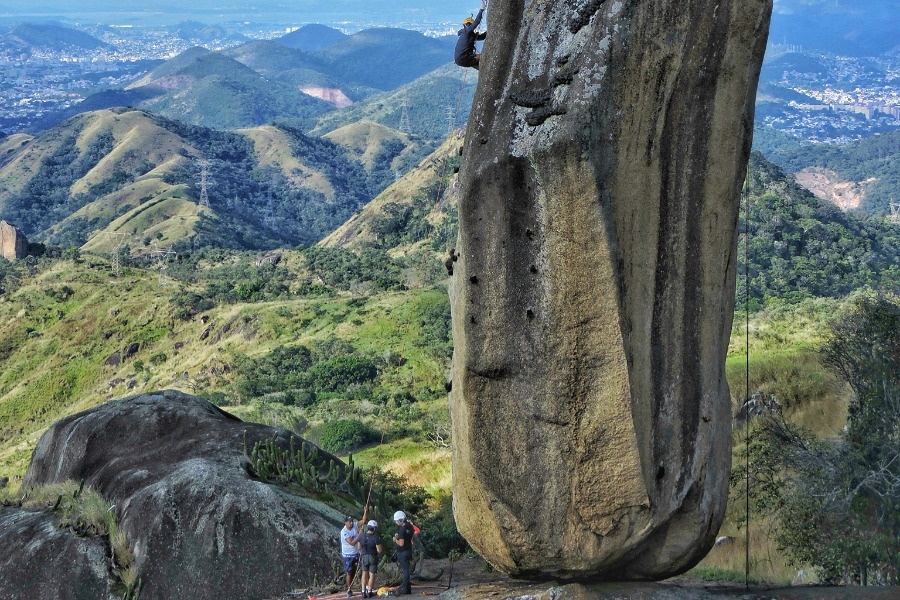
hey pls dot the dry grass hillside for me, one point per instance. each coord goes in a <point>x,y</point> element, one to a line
<point>135,175</point>
<point>74,335</point>
<point>436,171</point>
<point>273,148</point>
<point>365,139</point>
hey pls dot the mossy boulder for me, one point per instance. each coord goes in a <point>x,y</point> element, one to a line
<point>40,560</point>
<point>201,525</point>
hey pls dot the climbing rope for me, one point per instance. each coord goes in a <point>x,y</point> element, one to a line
<point>746,194</point>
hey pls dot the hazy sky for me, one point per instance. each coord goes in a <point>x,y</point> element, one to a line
<point>384,12</point>
<point>172,11</point>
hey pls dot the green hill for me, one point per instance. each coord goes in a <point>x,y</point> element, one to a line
<point>311,38</point>
<point>135,173</point>
<point>872,164</point>
<point>802,247</point>
<point>429,98</point>
<point>49,36</point>
<point>214,90</point>
<point>418,211</point>
<point>385,58</point>
<point>271,58</point>
<point>172,66</point>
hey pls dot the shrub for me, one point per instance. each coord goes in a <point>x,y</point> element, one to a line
<point>346,434</point>
<point>336,373</point>
<point>439,534</point>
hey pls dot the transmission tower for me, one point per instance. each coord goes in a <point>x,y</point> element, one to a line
<point>895,211</point>
<point>451,120</point>
<point>204,183</point>
<point>117,240</point>
<point>404,115</point>
<point>162,258</point>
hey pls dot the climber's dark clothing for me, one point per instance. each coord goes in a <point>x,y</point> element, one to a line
<point>465,55</point>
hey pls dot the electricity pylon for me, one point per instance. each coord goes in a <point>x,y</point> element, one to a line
<point>117,239</point>
<point>404,115</point>
<point>162,258</point>
<point>204,183</point>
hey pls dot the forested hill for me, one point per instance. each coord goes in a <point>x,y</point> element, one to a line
<point>264,81</point>
<point>872,164</point>
<point>27,37</point>
<point>137,174</point>
<point>801,246</point>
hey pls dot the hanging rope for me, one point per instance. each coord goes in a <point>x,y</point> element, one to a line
<point>746,193</point>
<point>440,198</point>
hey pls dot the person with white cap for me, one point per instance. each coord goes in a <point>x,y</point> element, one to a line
<point>369,545</point>
<point>404,540</point>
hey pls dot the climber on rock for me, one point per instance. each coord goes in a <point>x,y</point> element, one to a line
<point>465,54</point>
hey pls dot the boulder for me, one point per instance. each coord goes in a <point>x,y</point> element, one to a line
<point>13,243</point>
<point>114,359</point>
<point>174,467</point>
<point>39,560</point>
<point>593,293</point>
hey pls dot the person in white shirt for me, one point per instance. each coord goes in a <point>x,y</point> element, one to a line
<point>349,551</point>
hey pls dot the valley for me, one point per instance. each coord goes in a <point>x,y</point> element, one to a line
<point>263,211</point>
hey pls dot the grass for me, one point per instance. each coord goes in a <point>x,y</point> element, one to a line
<point>784,362</point>
<point>727,561</point>
<point>61,341</point>
<point>87,512</point>
<point>422,464</point>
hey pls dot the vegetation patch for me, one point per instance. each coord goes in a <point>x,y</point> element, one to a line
<point>85,512</point>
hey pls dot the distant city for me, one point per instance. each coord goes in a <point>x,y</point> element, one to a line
<point>812,95</point>
<point>828,98</point>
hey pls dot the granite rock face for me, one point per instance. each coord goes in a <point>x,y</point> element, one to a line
<point>173,465</point>
<point>593,296</point>
<point>13,243</point>
<point>39,560</point>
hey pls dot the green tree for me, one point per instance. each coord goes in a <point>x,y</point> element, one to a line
<point>346,434</point>
<point>837,502</point>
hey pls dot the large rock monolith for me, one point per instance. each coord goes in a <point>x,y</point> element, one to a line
<point>593,298</point>
<point>13,243</point>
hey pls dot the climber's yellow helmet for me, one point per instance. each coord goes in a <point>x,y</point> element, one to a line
<point>468,21</point>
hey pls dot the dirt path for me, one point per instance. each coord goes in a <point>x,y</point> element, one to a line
<point>472,579</point>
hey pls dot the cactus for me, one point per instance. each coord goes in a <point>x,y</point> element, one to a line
<point>302,467</point>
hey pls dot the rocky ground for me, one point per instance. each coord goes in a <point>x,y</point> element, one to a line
<point>472,579</point>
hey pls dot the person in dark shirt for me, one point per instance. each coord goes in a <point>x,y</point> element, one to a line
<point>403,538</point>
<point>369,548</point>
<point>465,54</point>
